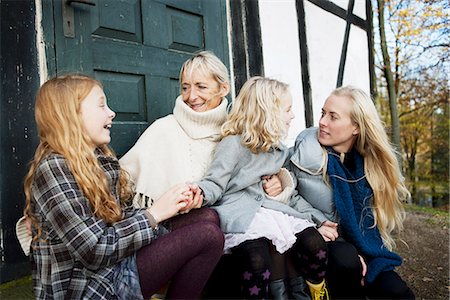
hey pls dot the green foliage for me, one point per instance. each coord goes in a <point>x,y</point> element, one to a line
<point>441,213</point>
<point>440,217</point>
<point>19,282</point>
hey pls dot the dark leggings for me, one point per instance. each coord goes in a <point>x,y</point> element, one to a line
<point>309,255</point>
<point>186,256</point>
<point>344,274</point>
<point>256,267</point>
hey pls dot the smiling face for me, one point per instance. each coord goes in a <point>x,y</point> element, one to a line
<point>200,91</point>
<point>97,116</point>
<point>336,127</point>
<point>286,109</point>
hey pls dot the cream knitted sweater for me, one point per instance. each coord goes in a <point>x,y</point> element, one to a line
<point>176,148</point>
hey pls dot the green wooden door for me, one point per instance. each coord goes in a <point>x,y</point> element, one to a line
<point>135,48</point>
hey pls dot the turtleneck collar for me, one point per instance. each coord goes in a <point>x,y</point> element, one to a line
<point>200,125</point>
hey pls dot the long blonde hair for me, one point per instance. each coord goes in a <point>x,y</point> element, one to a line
<point>61,131</point>
<point>381,166</point>
<point>256,114</point>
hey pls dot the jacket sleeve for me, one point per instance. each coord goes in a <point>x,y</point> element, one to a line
<point>308,211</point>
<point>221,170</point>
<point>89,239</point>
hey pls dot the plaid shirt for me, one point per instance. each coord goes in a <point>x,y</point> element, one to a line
<point>77,253</point>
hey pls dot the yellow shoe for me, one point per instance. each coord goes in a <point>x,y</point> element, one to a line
<point>318,290</point>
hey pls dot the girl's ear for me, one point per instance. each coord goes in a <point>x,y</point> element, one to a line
<point>224,89</point>
<point>356,131</point>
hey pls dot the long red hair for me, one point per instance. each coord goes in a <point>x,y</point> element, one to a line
<point>61,131</point>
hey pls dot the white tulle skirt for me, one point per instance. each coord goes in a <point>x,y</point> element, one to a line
<point>276,226</point>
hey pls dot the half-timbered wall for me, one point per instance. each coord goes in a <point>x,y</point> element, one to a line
<point>314,45</point>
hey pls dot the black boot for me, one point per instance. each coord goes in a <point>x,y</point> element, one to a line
<point>278,289</point>
<point>298,289</point>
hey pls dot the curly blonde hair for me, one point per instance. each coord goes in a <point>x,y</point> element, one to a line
<point>255,114</point>
<point>380,164</point>
<point>61,130</point>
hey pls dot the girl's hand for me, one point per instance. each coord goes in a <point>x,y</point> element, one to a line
<point>196,200</point>
<point>171,202</point>
<point>272,185</point>
<point>28,226</point>
<point>328,230</point>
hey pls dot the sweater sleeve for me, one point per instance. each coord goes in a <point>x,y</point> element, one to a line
<point>307,211</point>
<point>67,212</point>
<point>221,170</point>
<point>287,185</point>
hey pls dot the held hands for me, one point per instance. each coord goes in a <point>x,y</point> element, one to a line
<point>272,185</point>
<point>328,230</point>
<point>194,198</point>
<point>171,202</point>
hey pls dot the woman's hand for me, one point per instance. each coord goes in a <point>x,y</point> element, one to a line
<point>272,185</point>
<point>196,199</point>
<point>328,230</point>
<point>364,269</point>
<point>171,202</point>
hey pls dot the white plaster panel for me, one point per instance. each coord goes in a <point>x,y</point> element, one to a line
<point>281,54</point>
<point>357,64</point>
<point>341,3</point>
<point>360,9</point>
<point>325,34</point>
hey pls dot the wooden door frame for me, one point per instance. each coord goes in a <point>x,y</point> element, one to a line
<point>18,133</point>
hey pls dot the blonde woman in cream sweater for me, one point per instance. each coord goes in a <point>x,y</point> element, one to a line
<point>178,148</point>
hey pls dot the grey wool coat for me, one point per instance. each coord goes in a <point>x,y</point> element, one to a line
<point>233,185</point>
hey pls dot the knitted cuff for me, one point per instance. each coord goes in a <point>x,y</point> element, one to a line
<point>23,236</point>
<point>287,184</point>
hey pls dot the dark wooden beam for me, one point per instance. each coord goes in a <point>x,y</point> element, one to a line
<point>340,12</point>
<point>238,44</point>
<point>370,46</point>
<point>246,41</point>
<point>254,41</point>
<point>351,4</point>
<point>304,61</point>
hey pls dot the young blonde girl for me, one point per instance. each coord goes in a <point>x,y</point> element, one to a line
<point>254,223</point>
<point>87,243</point>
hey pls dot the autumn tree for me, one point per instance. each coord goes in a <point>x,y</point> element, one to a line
<point>412,59</point>
<point>388,75</point>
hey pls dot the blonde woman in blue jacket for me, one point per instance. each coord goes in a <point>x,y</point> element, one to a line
<point>350,185</point>
<point>262,229</point>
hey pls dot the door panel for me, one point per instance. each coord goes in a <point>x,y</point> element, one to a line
<point>136,48</point>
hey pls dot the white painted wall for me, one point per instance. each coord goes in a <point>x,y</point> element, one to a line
<point>281,53</point>
<point>325,33</point>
